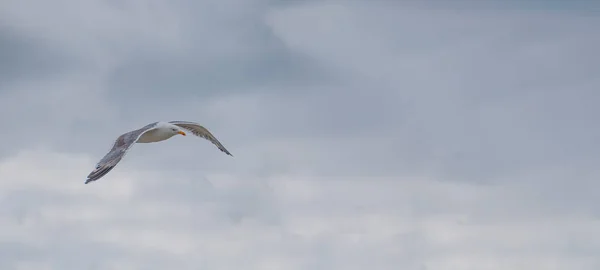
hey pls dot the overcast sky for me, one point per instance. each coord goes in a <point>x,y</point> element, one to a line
<point>366,135</point>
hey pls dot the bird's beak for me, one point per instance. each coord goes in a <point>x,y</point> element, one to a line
<point>181,132</point>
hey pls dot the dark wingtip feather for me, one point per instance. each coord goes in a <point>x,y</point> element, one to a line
<point>99,173</point>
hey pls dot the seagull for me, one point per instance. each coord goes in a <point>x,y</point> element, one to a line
<point>154,132</point>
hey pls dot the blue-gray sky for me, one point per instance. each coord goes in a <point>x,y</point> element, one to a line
<point>366,134</point>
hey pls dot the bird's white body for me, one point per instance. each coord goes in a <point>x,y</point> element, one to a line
<point>162,132</point>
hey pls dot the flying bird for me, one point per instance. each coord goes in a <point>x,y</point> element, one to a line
<point>154,132</point>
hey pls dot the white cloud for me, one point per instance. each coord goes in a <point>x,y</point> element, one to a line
<point>328,223</point>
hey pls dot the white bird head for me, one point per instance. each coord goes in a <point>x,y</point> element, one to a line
<point>173,129</point>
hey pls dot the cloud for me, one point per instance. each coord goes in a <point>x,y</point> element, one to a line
<point>365,135</point>
<point>468,88</point>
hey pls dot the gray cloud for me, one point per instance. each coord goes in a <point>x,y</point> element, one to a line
<point>26,57</point>
<point>249,64</point>
<point>365,134</point>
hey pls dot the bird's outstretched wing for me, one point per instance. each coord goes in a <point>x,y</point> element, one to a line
<point>202,132</point>
<point>117,152</point>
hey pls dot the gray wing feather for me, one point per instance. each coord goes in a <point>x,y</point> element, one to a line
<point>120,147</point>
<point>202,132</point>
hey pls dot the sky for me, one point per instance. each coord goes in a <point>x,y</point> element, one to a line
<point>365,134</point>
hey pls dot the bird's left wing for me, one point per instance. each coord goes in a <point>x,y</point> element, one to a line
<point>120,147</point>
<point>202,132</point>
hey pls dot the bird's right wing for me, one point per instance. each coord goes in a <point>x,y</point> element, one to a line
<point>201,132</point>
<point>120,147</point>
